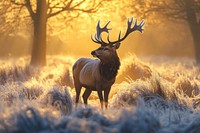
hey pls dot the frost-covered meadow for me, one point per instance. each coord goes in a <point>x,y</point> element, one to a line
<point>156,94</point>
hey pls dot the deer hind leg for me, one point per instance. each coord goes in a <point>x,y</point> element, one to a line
<point>100,98</point>
<point>86,94</point>
<point>78,91</point>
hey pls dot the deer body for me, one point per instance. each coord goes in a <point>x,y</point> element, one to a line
<point>86,68</point>
<point>96,75</point>
<point>99,74</point>
<point>91,68</point>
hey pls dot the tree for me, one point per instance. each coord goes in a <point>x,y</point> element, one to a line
<point>177,10</point>
<point>40,11</point>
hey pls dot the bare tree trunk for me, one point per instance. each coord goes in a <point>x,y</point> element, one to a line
<point>38,55</point>
<point>196,38</point>
<point>194,27</point>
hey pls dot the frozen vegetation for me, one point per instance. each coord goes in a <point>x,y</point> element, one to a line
<point>156,95</point>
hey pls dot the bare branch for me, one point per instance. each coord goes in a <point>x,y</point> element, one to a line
<point>78,4</point>
<point>17,3</point>
<point>70,7</point>
<point>29,8</point>
<point>171,9</point>
<point>58,8</point>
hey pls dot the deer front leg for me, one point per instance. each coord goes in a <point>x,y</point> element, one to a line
<point>100,98</point>
<point>106,94</point>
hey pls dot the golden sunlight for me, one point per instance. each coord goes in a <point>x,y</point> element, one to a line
<point>55,78</point>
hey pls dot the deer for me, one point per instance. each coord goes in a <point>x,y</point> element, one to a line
<point>100,74</point>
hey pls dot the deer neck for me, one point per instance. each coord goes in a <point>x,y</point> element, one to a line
<point>109,68</point>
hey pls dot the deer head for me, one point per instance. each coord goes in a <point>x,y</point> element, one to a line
<point>108,47</point>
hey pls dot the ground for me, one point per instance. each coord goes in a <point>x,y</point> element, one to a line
<point>154,94</point>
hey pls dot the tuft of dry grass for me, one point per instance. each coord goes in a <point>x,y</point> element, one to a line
<point>132,68</point>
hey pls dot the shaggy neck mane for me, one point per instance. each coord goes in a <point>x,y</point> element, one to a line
<point>110,68</point>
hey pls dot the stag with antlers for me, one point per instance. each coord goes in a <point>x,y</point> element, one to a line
<point>99,74</point>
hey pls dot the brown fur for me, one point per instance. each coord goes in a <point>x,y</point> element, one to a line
<point>109,70</point>
<point>96,75</point>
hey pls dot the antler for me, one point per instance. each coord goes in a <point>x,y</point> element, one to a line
<point>98,37</point>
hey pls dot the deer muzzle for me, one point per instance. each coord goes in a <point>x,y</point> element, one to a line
<point>94,54</point>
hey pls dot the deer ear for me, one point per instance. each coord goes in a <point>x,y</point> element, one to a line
<point>117,45</point>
